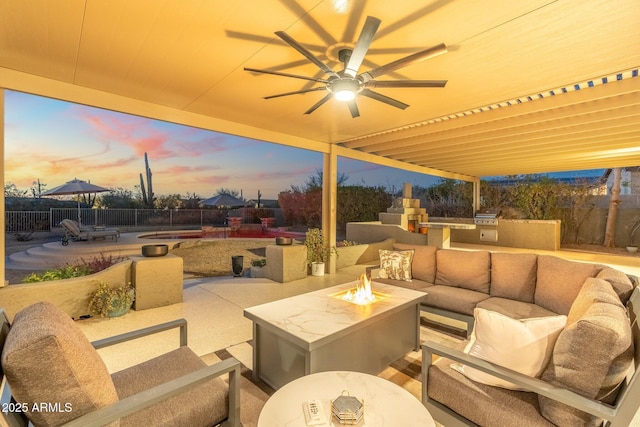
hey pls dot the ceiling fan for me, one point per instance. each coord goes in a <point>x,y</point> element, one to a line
<point>346,84</point>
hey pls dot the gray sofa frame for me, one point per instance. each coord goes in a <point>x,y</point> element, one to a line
<point>618,415</point>
<point>146,398</point>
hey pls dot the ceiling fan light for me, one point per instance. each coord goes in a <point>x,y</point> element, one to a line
<point>344,95</point>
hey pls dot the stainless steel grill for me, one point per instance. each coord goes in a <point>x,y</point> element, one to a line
<point>487,217</point>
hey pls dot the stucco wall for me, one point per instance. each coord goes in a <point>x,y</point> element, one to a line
<point>516,233</point>
<point>71,295</point>
<point>376,231</point>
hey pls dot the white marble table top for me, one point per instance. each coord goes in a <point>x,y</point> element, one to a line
<point>312,318</point>
<point>385,403</point>
<point>458,225</point>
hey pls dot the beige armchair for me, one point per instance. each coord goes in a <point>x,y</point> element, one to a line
<point>54,376</point>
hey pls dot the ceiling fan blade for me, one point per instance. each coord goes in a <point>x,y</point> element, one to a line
<point>383,98</point>
<point>307,54</point>
<point>278,73</point>
<point>319,103</point>
<point>362,45</point>
<point>404,62</point>
<point>297,92</point>
<point>357,8</point>
<point>353,108</point>
<point>406,83</point>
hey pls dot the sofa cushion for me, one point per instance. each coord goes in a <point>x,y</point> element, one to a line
<point>482,404</point>
<point>47,358</point>
<point>395,264</point>
<point>475,274</point>
<point>189,408</point>
<point>619,281</point>
<point>559,281</point>
<point>592,354</point>
<point>423,266</point>
<point>458,300</point>
<point>514,309</point>
<point>496,338</point>
<point>513,276</point>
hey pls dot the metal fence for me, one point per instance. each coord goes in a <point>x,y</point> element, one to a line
<point>20,221</point>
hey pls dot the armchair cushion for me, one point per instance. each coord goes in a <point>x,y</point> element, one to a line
<point>592,354</point>
<point>189,407</point>
<point>475,274</point>
<point>559,281</point>
<point>47,358</point>
<point>480,403</point>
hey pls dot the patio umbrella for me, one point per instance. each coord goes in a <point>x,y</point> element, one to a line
<point>223,200</point>
<point>75,186</point>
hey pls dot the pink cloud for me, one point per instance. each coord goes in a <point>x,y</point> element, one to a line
<point>137,133</point>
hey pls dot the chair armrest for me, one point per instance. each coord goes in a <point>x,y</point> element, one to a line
<point>534,385</point>
<point>127,336</point>
<point>164,391</point>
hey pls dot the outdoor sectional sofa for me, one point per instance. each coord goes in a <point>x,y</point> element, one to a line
<point>518,285</point>
<point>587,358</point>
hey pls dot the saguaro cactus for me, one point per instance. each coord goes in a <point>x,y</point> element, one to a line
<point>147,195</point>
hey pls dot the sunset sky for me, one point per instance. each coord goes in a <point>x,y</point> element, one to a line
<point>57,141</point>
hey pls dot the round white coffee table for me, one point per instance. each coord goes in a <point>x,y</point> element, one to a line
<point>385,403</point>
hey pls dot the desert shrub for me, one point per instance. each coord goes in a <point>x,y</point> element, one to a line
<point>258,262</point>
<point>95,263</point>
<point>66,272</point>
<point>84,268</point>
<point>106,300</point>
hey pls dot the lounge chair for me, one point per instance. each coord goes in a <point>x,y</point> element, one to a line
<point>58,378</point>
<point>73,231</point>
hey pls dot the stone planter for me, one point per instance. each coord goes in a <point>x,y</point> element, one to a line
<point>257,272</point>
<point>632,249</point>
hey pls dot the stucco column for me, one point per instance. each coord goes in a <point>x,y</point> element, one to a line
<point>2,250</point>
<point>330,201</point>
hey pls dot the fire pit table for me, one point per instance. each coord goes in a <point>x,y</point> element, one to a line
<point>320,331</point>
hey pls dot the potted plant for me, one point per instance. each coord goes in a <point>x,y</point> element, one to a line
<point>633,247</point>
<point>257,267</point>
<point>110,301</point>
<point>318,252</point>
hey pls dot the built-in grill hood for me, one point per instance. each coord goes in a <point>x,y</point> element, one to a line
<point>487,217</point>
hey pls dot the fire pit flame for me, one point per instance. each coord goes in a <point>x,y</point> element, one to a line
<point>362,294</point>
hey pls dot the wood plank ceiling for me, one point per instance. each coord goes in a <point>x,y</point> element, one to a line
<point>533,86</point>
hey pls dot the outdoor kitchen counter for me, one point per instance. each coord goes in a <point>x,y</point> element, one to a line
<point>440,233</point>
<point>317,332</point>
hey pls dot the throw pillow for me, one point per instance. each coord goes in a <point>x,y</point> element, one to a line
<point>523,345</point>
<point>395,265</point>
